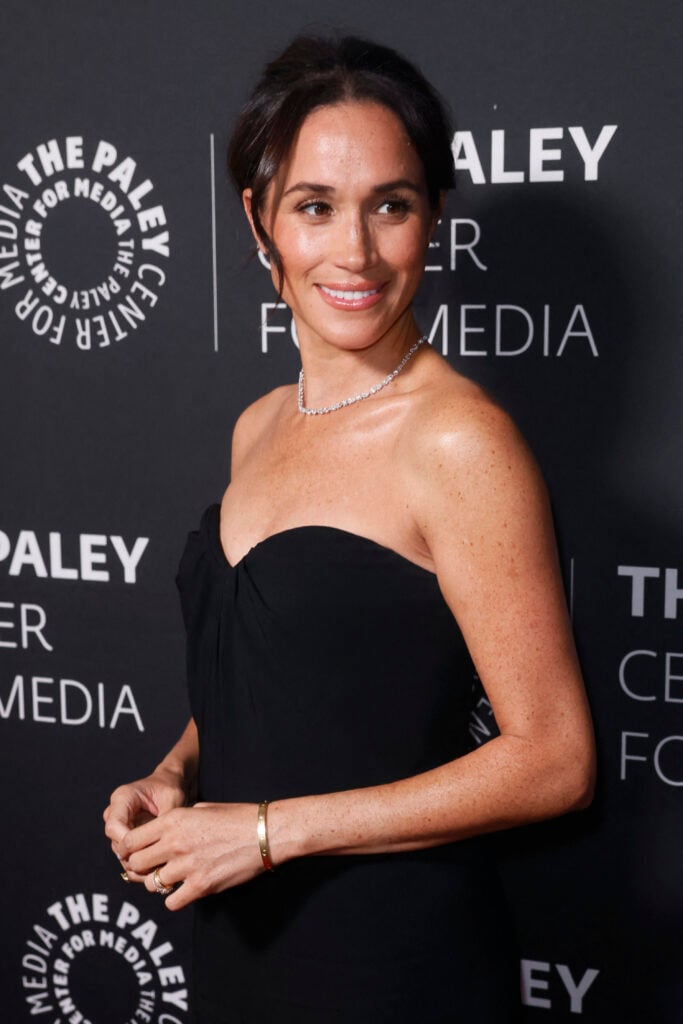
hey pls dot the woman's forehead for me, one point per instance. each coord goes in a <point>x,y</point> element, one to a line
<point>359,138</point>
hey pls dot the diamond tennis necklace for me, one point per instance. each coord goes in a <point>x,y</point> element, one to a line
<point>321,410</point>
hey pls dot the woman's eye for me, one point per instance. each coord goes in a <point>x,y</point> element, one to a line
<point>315,208</point>
<point>395,207</point>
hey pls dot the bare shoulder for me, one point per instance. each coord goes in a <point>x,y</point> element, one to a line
<point>474,484</point>
<point>255,421</point>
<point>456,427</point>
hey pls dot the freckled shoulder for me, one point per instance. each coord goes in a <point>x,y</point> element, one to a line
<point>455,420</point>
<point>467,464</point>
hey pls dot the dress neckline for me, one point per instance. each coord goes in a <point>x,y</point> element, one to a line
<point>275,538</point>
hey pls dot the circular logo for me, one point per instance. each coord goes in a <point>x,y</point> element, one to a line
<point>83,243</point>
<point>95,963</point>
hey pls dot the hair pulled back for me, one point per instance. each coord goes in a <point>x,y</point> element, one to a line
<point>316,72</point>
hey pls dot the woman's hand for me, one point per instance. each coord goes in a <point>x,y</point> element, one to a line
<point>203,849</point>
<point>139,802</point>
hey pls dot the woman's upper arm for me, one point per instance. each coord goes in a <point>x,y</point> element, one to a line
<point>485,516</point>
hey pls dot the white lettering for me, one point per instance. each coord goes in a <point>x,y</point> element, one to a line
<point>38,698</point>
<point>532,984</point>
<point>178,998</point>
<point>578,313</point>
<point>27,552</point>
<point>15,694</point>
<point>500,351</point>
<point>499,175</point>
<point>73,684</point>
<point>663,776</point>
<point>466,155</point>
<point>158,243</point>
<point>638,574</point>
<point>625,736</point>
<point>57,570</point>
<point>90,557</point>
<point>576,990</point>
<point>465,330</point>
<point>73,700</point>
<point>145,933</point>
<point>105,155</point>
<point>672,593</point>
<point>657,755</point>
<point>536,975</point>
<point>456,224</point>
<point>129,559</point>
<point>123,173</point>
<point>92,562</point>
<point>126,706</point>
<point>539,156</point>
<point>266,327</point>
<point>441,318</point>
<point>158,954</point>
<point>591,155</point>
<point>171,975</point>
<point>669,676</point>
<point>622,677</point>
<point>463,143</point>
<point>74,152</point>
<point>26,627</point>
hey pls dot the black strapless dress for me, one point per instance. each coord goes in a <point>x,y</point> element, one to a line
<point>324,661</point>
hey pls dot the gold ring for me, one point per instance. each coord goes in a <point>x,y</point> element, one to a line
<point>162,889</point>
<point>124,876</point>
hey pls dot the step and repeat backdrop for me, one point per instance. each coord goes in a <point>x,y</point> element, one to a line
<point>136,325</point>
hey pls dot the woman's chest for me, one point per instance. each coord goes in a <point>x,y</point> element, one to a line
<point>346,482</point>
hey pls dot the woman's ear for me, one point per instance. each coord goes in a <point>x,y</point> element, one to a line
<point>246,203</point>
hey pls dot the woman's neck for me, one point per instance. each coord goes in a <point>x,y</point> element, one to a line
<point>333,373</point>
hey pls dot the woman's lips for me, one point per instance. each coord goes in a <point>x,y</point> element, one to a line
<point>351,298</point>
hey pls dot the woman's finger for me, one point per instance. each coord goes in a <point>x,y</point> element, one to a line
<point>184,894</point>
<point>140,837</point>
<point>161,880</point>
<point>133,876</point>
<point>116,824</point>
<point>141,862</point>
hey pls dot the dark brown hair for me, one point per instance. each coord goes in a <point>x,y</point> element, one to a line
<point>316,72</point>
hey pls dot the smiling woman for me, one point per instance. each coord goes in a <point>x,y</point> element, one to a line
<point>350,209</point>
<point>361,565</point>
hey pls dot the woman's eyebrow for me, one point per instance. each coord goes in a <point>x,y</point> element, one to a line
<point>393,186</point>
<point>308,186</point>
<point>388,186</point>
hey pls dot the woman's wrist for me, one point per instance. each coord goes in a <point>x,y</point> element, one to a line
<point>262,836</point>
<point>287,834</point>
<point>180,765</point>
<point>178,772</point>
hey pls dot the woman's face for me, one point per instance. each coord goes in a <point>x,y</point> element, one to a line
<point>350,217</point>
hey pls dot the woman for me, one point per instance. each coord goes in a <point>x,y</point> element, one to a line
<point>384,523</point>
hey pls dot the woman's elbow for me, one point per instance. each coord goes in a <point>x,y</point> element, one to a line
<point>584,796</point>
<point>579,778</point>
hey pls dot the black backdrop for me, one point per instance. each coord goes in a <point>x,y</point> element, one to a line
<point>132,337</point>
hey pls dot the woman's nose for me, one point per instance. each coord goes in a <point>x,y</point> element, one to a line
<point>355,246</point>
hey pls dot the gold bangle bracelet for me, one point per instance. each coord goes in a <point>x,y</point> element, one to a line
<point>262,835</point>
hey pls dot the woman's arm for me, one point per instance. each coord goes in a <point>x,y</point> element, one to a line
<point>481,506</point>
